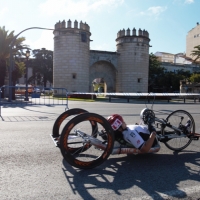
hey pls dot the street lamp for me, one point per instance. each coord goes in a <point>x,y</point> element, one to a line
<point>11,57</point>
<point>26,92</point>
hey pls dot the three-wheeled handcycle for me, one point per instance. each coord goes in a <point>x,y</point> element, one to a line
<point>87,139</point>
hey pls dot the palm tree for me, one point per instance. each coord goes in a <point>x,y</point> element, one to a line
<point>5,41</point>
<point>196,53</point>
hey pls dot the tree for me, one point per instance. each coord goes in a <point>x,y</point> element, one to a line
<point>171,80</point>
<point>155,72</point>
<point>195,78</point>
<point>42,66</point>
<point>18,71</point>
<point>5,41</point>
<point>196,53</point>
<point>161,80</point>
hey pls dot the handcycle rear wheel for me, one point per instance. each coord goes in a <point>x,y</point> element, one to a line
<point>77,144</point>
<point>64,116</point>
<point>177,118</point>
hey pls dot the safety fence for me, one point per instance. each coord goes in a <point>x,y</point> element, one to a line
<point>59,96</point>
<point>22,96</point>
<point>169,97</point>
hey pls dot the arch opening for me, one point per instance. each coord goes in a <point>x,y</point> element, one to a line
<point>102,77</point>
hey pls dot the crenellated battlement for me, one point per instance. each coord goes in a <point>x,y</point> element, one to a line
<point>63,25</point>
<point>128,32</point>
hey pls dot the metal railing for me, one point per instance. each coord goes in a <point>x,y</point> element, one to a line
<point>169,97</point>
<point>55,96</point>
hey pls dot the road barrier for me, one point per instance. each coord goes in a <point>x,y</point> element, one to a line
<point>59,96</point>
<point>148,96</point>
<point>169,97</point>
<point>55,96</point>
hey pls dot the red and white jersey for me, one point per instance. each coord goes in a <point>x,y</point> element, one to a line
<point>131,134</point>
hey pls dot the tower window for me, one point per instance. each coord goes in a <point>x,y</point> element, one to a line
<point>74,75</point>
<point>83,37</point>
<point>139,80</point>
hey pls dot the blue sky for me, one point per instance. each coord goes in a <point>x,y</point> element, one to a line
<point>167,21</point>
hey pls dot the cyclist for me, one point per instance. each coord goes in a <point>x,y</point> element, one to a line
<point>139,136</point>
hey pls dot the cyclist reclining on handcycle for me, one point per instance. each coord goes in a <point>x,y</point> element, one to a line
<point>139,136</point>
<point>143,137</point>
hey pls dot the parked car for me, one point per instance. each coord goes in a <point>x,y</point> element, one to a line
<point>36,90</point>
<point>47,90</point>
<point>21,89</point>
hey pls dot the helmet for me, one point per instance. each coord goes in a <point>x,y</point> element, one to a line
<point>115,121</point>
<point>147,116</point>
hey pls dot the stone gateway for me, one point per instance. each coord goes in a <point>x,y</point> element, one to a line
<point>76,67</point>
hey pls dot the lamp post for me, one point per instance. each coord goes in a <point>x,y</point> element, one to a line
<point>11,57</point>
<point>26,92</point>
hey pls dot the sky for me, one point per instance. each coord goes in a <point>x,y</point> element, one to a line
<point>167,21</point>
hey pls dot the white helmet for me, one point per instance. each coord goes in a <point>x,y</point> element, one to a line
<point>147,116</point>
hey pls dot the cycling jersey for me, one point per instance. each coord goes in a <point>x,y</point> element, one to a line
<point>136,135</point>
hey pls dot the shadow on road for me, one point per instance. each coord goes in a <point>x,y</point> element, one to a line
<point>151,173</point>
<point>28,118</point>
<point>40,115</point>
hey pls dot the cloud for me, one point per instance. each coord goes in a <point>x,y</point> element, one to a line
<point>76,8</point>
<point>154,11</point>
<point>3,11</point>
<point>44,41</point>
<point>189,1</point>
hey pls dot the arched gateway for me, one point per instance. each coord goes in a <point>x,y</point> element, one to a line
<point>76,66</point>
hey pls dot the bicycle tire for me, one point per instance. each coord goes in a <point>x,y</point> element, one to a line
<point>178,144</point>
<point>62,117</point>
<point>90,156</point>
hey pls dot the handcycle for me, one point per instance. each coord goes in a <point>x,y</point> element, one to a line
<point>87,140</point>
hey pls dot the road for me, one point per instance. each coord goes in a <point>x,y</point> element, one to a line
<point>33,168</point>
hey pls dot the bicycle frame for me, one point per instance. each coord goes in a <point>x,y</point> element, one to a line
<point>164,124</point>
<point>122,149</point>
<point>129,149</point>
<point>87,140</point>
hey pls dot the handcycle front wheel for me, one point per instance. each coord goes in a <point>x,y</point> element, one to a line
<point>178,118</point>
<point>82,149</point>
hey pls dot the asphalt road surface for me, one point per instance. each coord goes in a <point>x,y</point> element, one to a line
<point>31,167</point>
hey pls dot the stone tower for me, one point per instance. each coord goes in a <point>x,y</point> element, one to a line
<point>133,60</point>
<point>71,56</point>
